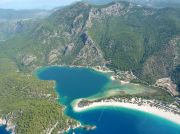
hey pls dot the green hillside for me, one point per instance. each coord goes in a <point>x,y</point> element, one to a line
<point>130,38</point>
<point>121,36</point>
<point>28,102</point>
<point>129,41</point>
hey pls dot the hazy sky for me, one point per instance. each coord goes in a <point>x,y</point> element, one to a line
<point>35,4</point>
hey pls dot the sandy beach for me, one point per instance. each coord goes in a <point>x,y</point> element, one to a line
<point>101,69</point>
<point>144,108</point>
<point>124,82</point>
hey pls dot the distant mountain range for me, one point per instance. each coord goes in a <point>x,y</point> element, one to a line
<point>151,3</point>
<point>12,21</point>
<point>10,14</point>
<point>122,36</point>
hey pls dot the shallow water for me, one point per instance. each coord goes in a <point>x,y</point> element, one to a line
<point>74,83</point>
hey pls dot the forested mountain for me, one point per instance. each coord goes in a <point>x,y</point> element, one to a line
<point>14,21</point>
<point>10,14</point>
<point>122,36</point>
<point>149,3</point>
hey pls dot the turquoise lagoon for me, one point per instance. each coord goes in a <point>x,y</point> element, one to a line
<point>74,83</point>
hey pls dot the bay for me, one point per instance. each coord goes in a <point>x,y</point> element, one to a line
<point>74,83</point>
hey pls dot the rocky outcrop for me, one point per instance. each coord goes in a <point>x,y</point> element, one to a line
<point>9,125</point>
<point>125,75</point>
<point>88,127</point>
<point>68,49</point>
<point>77,25</point>
<point>115,9</point>
<point>89,55</point>
<point>168,84</point>
<point>28,59</point>
<point>53,56</point>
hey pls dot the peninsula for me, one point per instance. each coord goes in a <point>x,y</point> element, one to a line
<point>167,111</point>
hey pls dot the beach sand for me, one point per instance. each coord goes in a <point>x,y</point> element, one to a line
<point>124,82</point>
<point>102,70</point>
<point>144,108</point>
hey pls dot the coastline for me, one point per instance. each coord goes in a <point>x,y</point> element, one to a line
<point>70,127</point>
<point>9,125</point>
<point>168,115</point>
<point>175,118</point>
<point>95,68</point>
<point>124,82</point>
<point>102,69</point>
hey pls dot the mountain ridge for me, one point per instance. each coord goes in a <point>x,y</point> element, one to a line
<point>83,34</point>
<point>148,3</point>
<point>139,44</point>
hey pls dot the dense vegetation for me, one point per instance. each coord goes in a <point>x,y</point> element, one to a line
<point>138,39</point>
<point>54,33</point>
<point>29,103</point>
<point>151,3</point>
<point>130,41</point>
<point>176,76</point>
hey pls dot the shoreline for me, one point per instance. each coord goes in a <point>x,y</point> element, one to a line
<point>170,116</point>
<point>9,126</point>
<point>101,69</point>
<point>124,82</point>
<point>78,125</point>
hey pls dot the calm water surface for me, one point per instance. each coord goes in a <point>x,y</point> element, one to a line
<point>3,130</point>
<point>74,83</point>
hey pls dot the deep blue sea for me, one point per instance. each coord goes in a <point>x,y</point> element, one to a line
<point>3,130</point>
<point>123,121</point>
<point>73,83</point>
